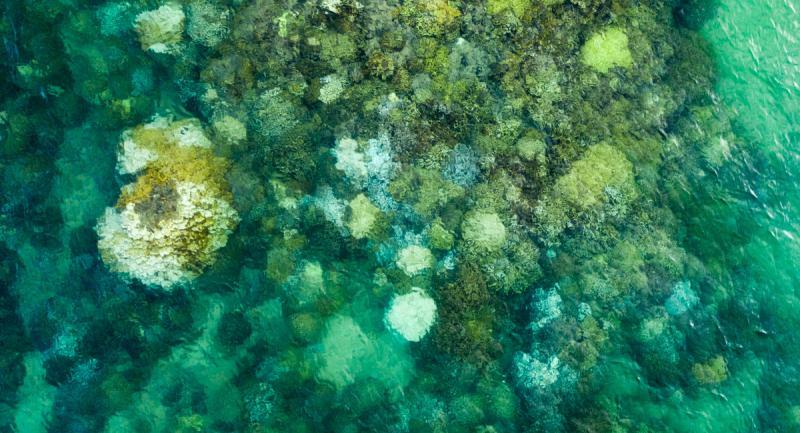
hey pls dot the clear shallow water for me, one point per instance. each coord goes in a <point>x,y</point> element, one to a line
<point>598,201</point>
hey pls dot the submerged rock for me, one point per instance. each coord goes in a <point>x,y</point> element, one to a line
<point>348,354</point>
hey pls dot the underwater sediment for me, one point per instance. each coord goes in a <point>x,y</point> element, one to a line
<point>400,216</point>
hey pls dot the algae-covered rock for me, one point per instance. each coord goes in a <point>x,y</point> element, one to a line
<point>607,49</point>
<point>229,129</point>
<point>427,189</point>
<point>712,372</point>
<point>146,143</point>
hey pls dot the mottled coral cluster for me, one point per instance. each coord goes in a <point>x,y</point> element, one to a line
<point>168,224</point>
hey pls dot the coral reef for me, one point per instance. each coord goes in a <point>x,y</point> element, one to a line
<point>415,216</point>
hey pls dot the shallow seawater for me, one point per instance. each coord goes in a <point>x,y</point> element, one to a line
<point>399,216</point>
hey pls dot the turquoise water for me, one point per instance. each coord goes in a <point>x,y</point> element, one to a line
<point>503,216</point>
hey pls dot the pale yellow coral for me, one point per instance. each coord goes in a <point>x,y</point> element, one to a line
<point>414,259</point>
<point>363,215</point>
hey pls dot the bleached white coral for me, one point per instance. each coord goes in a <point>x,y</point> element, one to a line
<point>412,314</point>
<point>170,250</point>
<point>332,207</point>
<point>132,156</point>
<point>683,298</point>
<point>188,133</point>
<point>547,306</point>
<point>161,30</point>
<point>532,373</point>
<point>350,160</point>
<point>208,23</point>
<point>135,154</point>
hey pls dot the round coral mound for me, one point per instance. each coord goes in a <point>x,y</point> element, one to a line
<point>412,314</point>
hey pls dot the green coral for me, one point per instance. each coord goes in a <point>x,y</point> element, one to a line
<point>441,238</point>
<point>711,372</point>
<point>585,185</point>
<point>518,7</point>
<point>430,18</point>
<point>607,49</point>
<point>337,49</point>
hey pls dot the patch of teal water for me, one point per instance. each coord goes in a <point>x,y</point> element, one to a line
<point>757,52</point>
<point>758,55</point>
